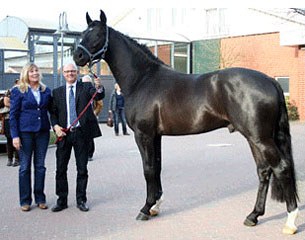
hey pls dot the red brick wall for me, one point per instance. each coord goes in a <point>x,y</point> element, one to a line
<point>264,53</point>
<point>164,53</point>
<point>300,86</point>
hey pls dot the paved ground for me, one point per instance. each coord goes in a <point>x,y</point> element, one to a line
<point>209,184</point>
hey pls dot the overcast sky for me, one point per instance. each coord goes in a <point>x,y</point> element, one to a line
<point>50,9</point>
<point>76,10</point>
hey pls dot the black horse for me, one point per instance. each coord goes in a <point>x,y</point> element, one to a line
<point>161,101</point>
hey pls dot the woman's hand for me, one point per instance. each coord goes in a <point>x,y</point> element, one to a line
<point>59,131</point>
<point>17,143</point>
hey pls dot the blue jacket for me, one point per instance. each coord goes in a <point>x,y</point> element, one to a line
<point>26,115</point>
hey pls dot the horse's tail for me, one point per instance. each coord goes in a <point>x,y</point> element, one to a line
<point>283,141</point>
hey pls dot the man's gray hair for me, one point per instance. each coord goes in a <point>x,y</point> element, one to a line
<point>70,63</point>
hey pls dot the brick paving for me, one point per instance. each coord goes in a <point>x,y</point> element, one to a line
<point>209,184</point>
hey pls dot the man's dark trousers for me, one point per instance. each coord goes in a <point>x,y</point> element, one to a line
<point>79,144</point>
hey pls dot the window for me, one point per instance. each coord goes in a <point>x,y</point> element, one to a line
<point>284,82</point>
<point>180,57</point>
<point>215,21</point>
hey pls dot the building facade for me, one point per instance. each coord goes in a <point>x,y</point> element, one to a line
<point>190,40</point>
<point>263,53</point>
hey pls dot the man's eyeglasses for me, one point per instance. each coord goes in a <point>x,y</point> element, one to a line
<point>70,71</point>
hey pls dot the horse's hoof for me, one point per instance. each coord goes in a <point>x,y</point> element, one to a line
<point>289,230</point>
<point>154,212</point>
<point>155,209</point>
<point>142,216</point>
<point>249,223</point>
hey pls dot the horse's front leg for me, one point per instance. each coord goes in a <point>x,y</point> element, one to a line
<point>150,149</point>
<point>155,209</point>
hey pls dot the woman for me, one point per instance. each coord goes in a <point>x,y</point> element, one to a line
<point>116,106</point>
<point>30,130</point>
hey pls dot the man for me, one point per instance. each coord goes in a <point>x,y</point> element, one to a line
<point>75,95</point>
<point>11,150</point>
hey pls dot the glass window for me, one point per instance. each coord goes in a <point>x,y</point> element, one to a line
<point>284,82</point>
<point>180,57</point>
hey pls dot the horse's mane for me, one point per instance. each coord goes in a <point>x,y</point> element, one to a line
<point>142,47</point>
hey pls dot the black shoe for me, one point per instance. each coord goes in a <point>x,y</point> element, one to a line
<point>9,163</point>
<point>58,208</point>
<point>83,207</point>
<point>16,163</point>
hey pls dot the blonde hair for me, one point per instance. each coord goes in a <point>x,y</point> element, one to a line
<point>117,86</point>
<point>86,78</point>
<point>24,78</point>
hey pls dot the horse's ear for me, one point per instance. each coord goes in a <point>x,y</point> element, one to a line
<point>88,18</point>
<point>103,17</point>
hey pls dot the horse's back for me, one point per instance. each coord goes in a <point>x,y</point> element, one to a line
<point>241,96</point>
<point>178,104</point>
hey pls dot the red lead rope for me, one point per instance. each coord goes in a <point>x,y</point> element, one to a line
<point>76,120</point>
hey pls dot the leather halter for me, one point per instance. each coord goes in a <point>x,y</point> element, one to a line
<point>101,52</point>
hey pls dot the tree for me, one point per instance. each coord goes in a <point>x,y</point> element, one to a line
<point>299,10</point>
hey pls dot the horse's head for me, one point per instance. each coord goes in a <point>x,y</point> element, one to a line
<point>94,42</point>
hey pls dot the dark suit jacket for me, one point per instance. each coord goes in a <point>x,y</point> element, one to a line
<point>88,122</point>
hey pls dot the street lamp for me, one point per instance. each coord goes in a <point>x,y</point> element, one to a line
<point>62,29</point>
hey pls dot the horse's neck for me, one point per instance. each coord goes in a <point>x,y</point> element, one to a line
<point>121,58</point>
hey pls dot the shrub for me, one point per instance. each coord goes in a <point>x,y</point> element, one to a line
<point>293,113</point>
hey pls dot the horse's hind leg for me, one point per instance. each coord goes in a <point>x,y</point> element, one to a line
<point>150,149</point>
<point>284,189</point>
<point>264,173</point>
<point>270,161</point>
